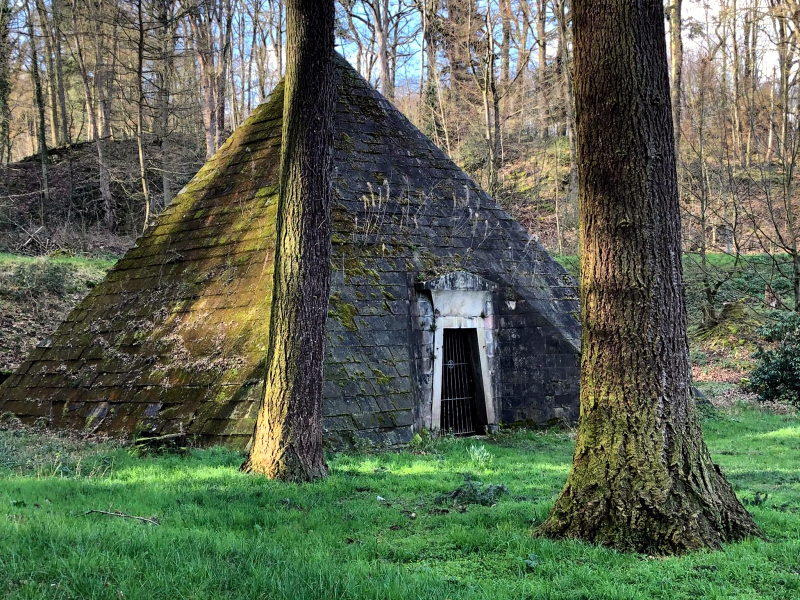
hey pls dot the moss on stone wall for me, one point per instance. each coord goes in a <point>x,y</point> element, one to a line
<point>343,312</point>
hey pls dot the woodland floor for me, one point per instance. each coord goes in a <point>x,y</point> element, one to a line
<point>374,529</point>
<point>36,294</point>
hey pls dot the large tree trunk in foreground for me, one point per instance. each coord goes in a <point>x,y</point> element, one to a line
<point>288,437</point>
<point>642,478</point>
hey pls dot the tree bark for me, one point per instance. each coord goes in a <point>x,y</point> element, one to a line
<point>5,81</point>
<point>41,133</point>
<point>676,54</point>
<point>287,442</point>
<point>140,111</point>
<point>60,84</point>
<point>642,478</point>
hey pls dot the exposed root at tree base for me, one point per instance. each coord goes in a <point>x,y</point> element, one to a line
<point>286,466</point>
<point>640,527</point>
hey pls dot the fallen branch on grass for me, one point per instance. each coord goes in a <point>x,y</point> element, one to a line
<point>151,520</point>
<point>172,442</point>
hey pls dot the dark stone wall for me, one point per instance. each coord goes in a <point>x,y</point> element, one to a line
<point>406,213</point>
<point>539,369</point>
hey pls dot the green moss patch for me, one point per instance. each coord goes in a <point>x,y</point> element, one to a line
<point>343,312</point>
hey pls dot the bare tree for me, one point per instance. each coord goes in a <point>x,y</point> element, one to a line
<point>41,132</point>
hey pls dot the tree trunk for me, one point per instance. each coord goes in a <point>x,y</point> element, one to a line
<point>569,97</point>
<point>737,69</point>
<point>60,84</point>
<point>431,123</point>
<point>209,105</point>
<point>505,45</point>
<point>541,75</point>
<point>380,13</point>
<point>524,24</point>
<point>771,134</point>
<point>288,437</point>
<point>642,478</point>
<point>105,178</point>
<point>47,34</point>
<point>203,35</point>
<point>491,103</point>
<point>40,128</point>
<point>102,77</point>
<point>279,38</point>
<point>676,53</point>
<point>222,76</point>
<point>5,81</point>
<point>166,24</point>
<point>140,112</point>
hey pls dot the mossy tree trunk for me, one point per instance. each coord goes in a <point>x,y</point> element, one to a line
<point>642,478</point>
<point>5,81</point>
<point>288,436</point>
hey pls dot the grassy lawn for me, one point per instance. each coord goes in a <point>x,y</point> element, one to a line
<point>93,263</point>
<point>372,530</point>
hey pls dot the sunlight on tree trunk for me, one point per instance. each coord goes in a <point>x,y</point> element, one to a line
<point>642,478</point>
<point>288,438</point>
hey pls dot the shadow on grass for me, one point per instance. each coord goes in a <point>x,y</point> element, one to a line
<point>372,530</point>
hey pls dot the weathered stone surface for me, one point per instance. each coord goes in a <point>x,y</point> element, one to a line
<point>174,338</point>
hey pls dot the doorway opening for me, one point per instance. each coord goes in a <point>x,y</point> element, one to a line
<point>462,401</point>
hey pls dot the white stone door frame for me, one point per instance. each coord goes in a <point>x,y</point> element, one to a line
<point>478,324</point>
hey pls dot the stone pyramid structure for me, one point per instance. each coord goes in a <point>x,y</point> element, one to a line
<point>174,338</point>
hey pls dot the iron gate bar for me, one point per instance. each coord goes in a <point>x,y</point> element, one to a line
<point>458,410</point>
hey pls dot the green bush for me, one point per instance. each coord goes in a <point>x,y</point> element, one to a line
<point>472,492</point>
<point>777,373</point>
<point>39,277</point>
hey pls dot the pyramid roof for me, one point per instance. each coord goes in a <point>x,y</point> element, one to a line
<point>174,338</point>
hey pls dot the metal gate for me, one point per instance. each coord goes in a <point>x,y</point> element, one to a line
<point>459,414</point>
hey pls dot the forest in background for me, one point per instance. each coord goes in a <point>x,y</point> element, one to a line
<point>108,108</point>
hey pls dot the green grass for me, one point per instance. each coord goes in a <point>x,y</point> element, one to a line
<point>223,534</point>
<point>103,263</point>
<point>28,277</point>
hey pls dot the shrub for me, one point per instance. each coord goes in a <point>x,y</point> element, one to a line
<point>776,377</point>
<point>472,492</point>
<point>32,279</point>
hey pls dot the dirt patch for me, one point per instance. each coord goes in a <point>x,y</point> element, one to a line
<point>726,397</point>
<point>35,296</point>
